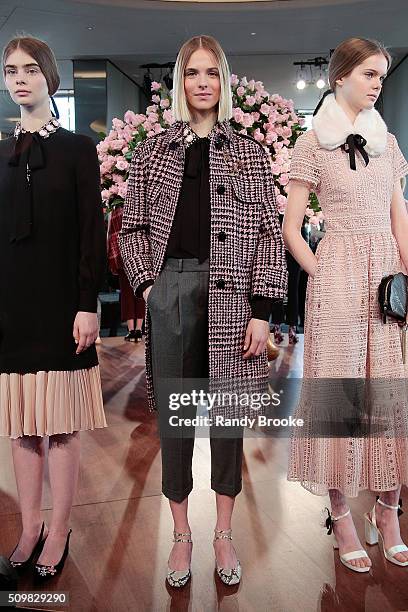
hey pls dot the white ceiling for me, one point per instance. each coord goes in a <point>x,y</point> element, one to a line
<point>123,29</point>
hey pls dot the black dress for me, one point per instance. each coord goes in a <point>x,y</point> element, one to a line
<point>52,257</point>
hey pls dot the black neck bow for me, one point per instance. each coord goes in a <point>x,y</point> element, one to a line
<point>353,142</point>
<point>28,155</point>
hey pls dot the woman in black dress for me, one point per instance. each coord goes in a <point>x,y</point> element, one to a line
<point>52,252</point>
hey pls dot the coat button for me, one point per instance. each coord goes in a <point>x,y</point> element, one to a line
<point>220,189</point>
<point>220,284</point>
<point>222,236</point>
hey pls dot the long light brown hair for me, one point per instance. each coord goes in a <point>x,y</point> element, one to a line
<point>41,53</point>
<point>351,53</point>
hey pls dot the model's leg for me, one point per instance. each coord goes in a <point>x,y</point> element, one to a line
<point>28,459</point>
<point>226,481</point>
<point>63,462</point>
<point>388,523</point>
<point>344,529</point>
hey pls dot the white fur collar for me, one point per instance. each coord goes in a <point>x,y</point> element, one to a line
<point>332,127</point>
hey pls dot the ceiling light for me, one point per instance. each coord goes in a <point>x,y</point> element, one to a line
<point>301,84</point>
<point>320,83</point>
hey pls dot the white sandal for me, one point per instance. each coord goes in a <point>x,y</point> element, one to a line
<point>372,532</point>
<point>350,556</point>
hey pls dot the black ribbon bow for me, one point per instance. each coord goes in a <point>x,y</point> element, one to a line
<point>28,155</point>
<point>353,142</point>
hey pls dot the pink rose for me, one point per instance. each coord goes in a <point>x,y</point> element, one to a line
<point>113,190</point>
<point>155,86</point>
<point>237,114</point>
<point>156,99</point>
<point>251,85</point>
<point>130,117</point>
<point>118,124</point>
<point>122,190</point>
<point>122,164</point>
<point>240,91</point>
<point>281,201</point>
<point>247,120</point>
<point>244,81</point>
<point>234,80</point>
<point>276,169</point>
<point>284,179</point>
<point>118,178</point>
<point>168,117</point>
<point>165,103</point>
<point>259,137</point>
<point>265,109</point>
<point>250,100</point>
<point>105,195</point>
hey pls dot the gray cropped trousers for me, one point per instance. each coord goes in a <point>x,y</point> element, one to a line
<point>178,309</point>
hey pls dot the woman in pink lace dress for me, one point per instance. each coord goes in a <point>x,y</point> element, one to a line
<point>354,165</point>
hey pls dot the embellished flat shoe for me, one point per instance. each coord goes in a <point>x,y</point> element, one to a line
<point>179,578</point>
<point>21,566</point>
<point>232,575</point>
<point>42,573</point>
<point>373,533</point>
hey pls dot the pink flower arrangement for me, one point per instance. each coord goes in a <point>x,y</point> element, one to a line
<point>270,119</point>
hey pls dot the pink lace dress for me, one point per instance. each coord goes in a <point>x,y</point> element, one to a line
<point>345,338</point>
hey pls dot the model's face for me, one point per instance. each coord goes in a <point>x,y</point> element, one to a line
<point>24,80</point>
<point>362,86</point>
<point>202,81</point>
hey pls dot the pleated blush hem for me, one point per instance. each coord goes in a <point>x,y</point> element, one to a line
<point>51,403</point>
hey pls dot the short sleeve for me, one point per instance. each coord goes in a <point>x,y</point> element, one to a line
<point>400,165</point>
<point>304,165</point>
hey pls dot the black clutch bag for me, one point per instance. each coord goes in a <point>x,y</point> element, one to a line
<point>392,297</point>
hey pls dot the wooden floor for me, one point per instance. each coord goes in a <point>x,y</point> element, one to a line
<point>122,527</point>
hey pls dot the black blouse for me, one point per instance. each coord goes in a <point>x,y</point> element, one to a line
<point>52,250</point>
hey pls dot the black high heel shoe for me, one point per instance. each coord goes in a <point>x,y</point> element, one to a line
<point>42,573</point>
<point>21,566</point>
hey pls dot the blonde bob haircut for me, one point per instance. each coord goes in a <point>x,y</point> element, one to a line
<point>180,108</point>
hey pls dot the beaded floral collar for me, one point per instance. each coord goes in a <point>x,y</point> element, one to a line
<point>189,135</point>
<point>48,128</point>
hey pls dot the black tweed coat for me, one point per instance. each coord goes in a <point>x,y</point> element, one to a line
<point>247,255</point>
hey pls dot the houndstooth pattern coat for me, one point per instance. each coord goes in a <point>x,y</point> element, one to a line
<point>247,255</point>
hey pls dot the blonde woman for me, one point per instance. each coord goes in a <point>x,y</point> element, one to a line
<point>200,234</point>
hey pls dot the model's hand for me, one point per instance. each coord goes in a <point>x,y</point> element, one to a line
<point>86,330</point>
<point>146,292</point>
<point>256,337</point>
